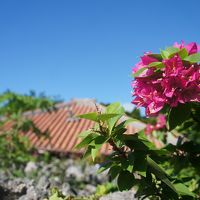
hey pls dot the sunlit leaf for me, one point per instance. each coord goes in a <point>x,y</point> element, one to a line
<point>139,71</point>
<point>160,173</point>
<point>91,116</point>
<point>156,56</point>
<point>86,141</point>
<point>117,109</point>
<point>193,58</point>
<point>172,50</point>
<point>104,117</point>
<point>164,54</point>
<point>183,190</point>
<point>183,53</point>
<point>157,65</point>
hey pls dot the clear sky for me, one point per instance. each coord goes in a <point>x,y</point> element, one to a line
<point>87,48</point>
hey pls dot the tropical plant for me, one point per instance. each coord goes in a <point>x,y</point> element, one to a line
<point>167,83</point>
<point>15,122</point>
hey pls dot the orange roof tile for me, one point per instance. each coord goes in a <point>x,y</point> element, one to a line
<point>64,127</point>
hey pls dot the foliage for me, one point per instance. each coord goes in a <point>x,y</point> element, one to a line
<point>105,189</point>
<point>136,162</point>
<point>177,83</point>
<point>135,113</point>
<point>169,83</point>
<point>15,148</point>
<point>56,195</point>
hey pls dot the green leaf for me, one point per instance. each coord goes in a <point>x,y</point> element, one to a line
<point>99,141</point>
<point>156,56</point>
<point>114,171</point>
<point>86,141</point>
<point>164,54</point>
<point>84,134</point>
<point>121,128</point>
<point>125,181</point>
<point>139,71</point>
<point>158,65</point>
<point>104,117</point>
<point>140,162</point>
<point>169,52</point>
<point>117,133</point>
<point>160,152</point>
<point>87,152</point>
<point>190,147</point>
<point>170,147</point>
<point>172,50</point>
<point>114,108</point>
<point>160,173</point>
<point>129,121</point>
<point>183,190</point>
<point>143,138</point>
<point>96,117</point>
<point>183,53</point>
<point>55,197</point>
<point>193,58</point>
<point>133,142</point>
<point>124,163</point>
<point>94,152</point>
<point>178,115</point>
<point>96,144</point>
<point>104,167</point>
<point>91,116</point>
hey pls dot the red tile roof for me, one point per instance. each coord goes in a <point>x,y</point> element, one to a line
<point>64,127</point>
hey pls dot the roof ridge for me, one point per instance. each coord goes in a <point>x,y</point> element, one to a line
<point>65,105</point>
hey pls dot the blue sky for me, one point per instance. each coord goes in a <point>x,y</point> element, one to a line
<point>86,48</point>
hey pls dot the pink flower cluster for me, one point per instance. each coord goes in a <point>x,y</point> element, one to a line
<point>160,124</point>
<point>175,83</point>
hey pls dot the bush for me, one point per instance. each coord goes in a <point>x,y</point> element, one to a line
<point>166,83</point>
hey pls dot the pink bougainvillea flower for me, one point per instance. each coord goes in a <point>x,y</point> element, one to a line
<point>137,67</point>
<point>154,107</point>
<point>161,121</point>
<point>180,46</point>
<point>172,84</point>
<point>146,59</point>
<point>173,66</point>
<point>191,47</point>
<point>149,129</point>
<point>160,124</point>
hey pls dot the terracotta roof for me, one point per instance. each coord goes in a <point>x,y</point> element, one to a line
<point>64,127</point>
